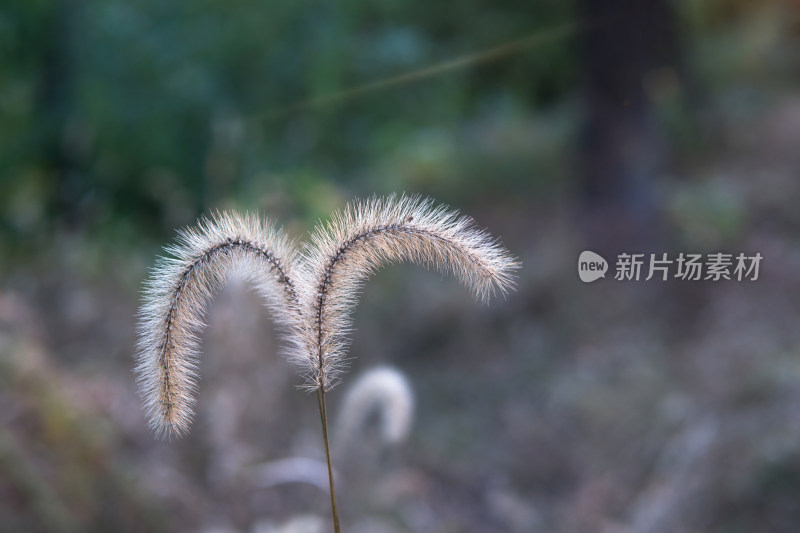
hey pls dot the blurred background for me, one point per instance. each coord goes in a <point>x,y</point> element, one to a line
<point>610,125</point>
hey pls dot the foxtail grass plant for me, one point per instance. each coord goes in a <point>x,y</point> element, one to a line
<point>311,291</point>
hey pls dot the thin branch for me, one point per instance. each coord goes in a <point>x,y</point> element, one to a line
<point>323,414</point>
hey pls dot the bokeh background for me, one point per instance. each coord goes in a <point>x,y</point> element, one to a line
<point>610,125</point>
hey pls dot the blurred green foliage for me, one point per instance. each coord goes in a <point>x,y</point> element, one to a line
<point>115,114</point>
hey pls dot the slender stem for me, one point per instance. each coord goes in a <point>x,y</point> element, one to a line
<point>324,417</point>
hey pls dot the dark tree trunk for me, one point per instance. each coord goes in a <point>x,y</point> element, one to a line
<point>622,148</point>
